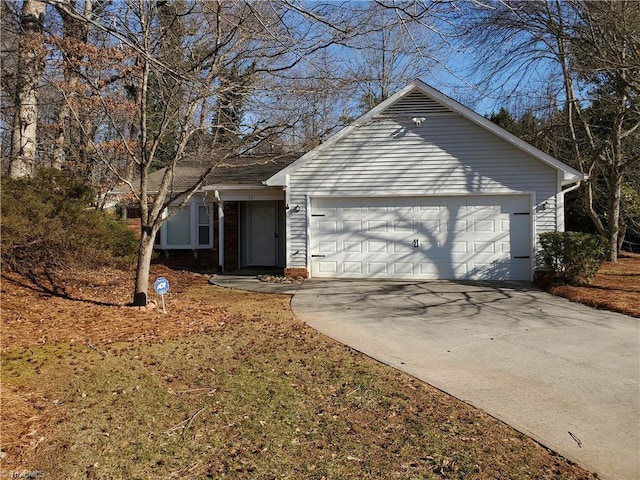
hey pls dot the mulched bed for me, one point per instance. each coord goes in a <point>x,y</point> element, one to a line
<point>616,287</point>
<point>49,319</point>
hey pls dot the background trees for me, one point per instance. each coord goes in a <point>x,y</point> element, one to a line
<point>584,58</point>
<point>31,54</point>
<point>134,86</point>
<point>111,91</point>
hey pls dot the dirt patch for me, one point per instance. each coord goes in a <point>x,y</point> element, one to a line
<point>616,287</point>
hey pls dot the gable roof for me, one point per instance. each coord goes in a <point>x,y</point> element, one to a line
<point>570,175</point>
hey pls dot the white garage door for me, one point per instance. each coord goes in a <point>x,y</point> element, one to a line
<point>478,237</point>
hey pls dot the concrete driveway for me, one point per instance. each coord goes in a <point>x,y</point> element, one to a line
<point>563,373</point>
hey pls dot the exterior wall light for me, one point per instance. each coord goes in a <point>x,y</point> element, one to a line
<point>295,209</point>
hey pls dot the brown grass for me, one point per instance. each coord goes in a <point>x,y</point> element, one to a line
<point>616,287</point>
<point>227,384</point>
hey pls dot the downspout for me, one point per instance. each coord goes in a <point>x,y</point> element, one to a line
<point>561,198</point>
<point>571,189</point>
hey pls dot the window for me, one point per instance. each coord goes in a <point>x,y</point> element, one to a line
<point>179,227</point>
<point>189,228</point>
<point>204,226</point>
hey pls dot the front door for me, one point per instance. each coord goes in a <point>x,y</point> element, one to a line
<point>261,234</point>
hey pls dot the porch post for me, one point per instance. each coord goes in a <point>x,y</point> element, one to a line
<point>220,236</point>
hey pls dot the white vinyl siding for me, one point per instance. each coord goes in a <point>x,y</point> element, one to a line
<point>391,156</point>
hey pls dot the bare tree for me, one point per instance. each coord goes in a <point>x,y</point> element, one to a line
<point>226,41</point>
<point>73,47</point>
<point>606,50</point>
<point>31,55</point>
<point>585,52</point>
<point>398,47</point>
<point>145,84</point>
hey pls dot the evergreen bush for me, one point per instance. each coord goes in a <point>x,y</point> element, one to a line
<point>573,257</point>
<point>47,224</point>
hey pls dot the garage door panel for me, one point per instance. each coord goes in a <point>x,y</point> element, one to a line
<point>458,226</point>
<point>484,226</point>
<point>430,226</point>
<point>403,247</point>
<point>429,271</point>
<point>459,247</point>
<point>377,247</point>
<point>352,226</point>
<point>422,237</point>
<point>377,226</point>
<point>352,247</point>
<point>460,270</point>
<point>403,268</point>
<point>352,267</point>
<point>327,226</point>
<point>327,267</point>
<point>377,268</point>
<point>328,247</point>
<point>484,247</point>
<point>403,226</point>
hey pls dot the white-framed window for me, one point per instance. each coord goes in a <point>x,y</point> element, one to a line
<point>205,223</point>
<point>189,228</point>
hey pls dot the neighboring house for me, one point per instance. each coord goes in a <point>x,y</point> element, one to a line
<point>420,187</point>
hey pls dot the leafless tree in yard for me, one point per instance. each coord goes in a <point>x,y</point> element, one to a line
<point>31,61</point>
<point>143,85</point>
<point>588,54</point>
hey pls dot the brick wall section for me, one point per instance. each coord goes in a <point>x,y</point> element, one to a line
<point>296,272</point>
<point>207,260</point>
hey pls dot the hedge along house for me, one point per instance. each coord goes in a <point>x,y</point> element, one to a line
<point>420,187</point>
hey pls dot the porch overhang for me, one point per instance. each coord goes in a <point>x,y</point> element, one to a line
<point>244,193</point>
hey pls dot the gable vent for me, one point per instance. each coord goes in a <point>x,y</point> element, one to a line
<point>415,104</point>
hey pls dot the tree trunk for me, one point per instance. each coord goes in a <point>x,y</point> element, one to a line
<point>58,156</point>
<point>615,180</point>
<point>31,53</point>
<point>69,136</point>
<point>142,270</point>
<point>614,216</point>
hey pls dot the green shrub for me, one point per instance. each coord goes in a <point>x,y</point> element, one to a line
<point>47,224</point>
<point>573,257</point>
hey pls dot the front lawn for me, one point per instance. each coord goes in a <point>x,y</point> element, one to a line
<point>227,384</point>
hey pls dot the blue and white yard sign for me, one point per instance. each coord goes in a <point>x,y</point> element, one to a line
<point>161,286</point>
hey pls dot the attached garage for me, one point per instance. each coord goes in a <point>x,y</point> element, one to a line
<point>421,187</point>
<point>434,237</point>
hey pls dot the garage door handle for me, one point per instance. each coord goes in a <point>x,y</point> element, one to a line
<point>416,243</point>
<point>314,256</point>
<point>522,256</point>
